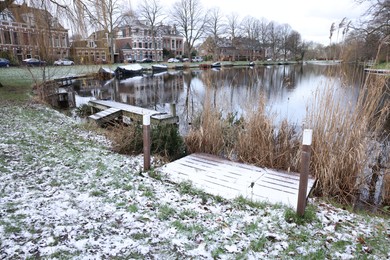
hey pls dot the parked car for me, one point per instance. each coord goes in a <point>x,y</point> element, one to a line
<point>147,60</point>
<point>185,60</point>
<point>64,62</point>
<point>173,60</point>
<point>197,59</point>
<point>4,62</point>
<point>34,62</point>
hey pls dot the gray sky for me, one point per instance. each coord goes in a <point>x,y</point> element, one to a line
<point>311,18</point>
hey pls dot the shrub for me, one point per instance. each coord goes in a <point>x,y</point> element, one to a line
<point>165,140</point>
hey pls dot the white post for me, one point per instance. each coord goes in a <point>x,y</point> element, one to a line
<point>146,141</point>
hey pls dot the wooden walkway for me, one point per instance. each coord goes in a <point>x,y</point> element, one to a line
<point>229,179</point>
<point>133,112</point>
<point>106,116</point>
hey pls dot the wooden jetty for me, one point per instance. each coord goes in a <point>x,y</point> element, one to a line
<point>229,179</point>
<point>112,110</point>
<point>378,71</point>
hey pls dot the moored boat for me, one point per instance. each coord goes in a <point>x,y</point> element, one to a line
<point>129,70</point>
<point>216,64</point>
<point>159,67</point>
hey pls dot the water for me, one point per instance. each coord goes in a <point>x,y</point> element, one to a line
<point>288,89</point>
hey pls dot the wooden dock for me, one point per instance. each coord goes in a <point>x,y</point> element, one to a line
<point>229,179</point>
<point>112,109</point>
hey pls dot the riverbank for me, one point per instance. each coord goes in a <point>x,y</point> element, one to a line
<point>65,194</point>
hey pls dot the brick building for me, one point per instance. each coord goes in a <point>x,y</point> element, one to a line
<point>132,41</point>
<point>27,32</point>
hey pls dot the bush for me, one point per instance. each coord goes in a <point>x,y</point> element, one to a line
<point>165,140</point>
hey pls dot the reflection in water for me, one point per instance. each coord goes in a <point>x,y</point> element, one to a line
<point>287,89</point>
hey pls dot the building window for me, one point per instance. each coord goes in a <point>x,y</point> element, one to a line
<point>25,39</point>
<point>64,41</point>
<point>7,37</point>
<point>7,16</point>
<point>56,41</point>
<point>140,45</point>
<point>173,44</point>
<point>16,38</point>
<point>124,33</point>
<point>134,45</point>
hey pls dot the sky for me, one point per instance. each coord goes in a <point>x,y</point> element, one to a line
<point>311,18</point>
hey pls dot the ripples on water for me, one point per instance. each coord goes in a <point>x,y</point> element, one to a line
<point>288,89</point>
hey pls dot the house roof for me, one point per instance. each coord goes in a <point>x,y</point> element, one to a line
<point>34,16</point>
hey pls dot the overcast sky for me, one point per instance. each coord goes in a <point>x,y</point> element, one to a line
<point>311,18</point>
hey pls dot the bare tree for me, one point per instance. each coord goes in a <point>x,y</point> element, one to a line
<point>105,15</point>
<point>274,38</point>
<point>152,12</point>
<point>4,4</point>
<point>215,27</point>
<point>233,28</point>
<point>250,28</point>
<point>263,35</point>
<point>285,31</point>
<point>191,21</point>
<point>233,25</point>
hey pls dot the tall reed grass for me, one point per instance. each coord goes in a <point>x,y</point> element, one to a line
<point>341,134</point>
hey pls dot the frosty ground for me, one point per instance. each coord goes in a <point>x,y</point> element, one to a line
<point>65,194</point>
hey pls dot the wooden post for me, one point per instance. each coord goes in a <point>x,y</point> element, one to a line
<point>304,176</point>
<point>146,141</point>
<point>173,109</point>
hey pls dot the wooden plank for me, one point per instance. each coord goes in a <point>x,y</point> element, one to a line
<point>106,115</point>
<point>229,179</point>
<point>135,113</point>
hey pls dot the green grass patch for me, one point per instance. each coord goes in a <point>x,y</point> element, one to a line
<point>291,216</point>
<point>133,208</point>
<point>165,212</point>
<point>258,244</point>
<point>139,236</point>
<point>241,202</point>
<point>188,213</point>
<point>97,193</point>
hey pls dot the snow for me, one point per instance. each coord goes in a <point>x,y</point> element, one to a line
<point>65,194</point>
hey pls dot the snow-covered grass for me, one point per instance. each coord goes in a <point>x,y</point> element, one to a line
<point>64,194</point>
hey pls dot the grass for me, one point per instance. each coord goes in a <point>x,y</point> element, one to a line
<point>165,212</point>
<point>291,216</point>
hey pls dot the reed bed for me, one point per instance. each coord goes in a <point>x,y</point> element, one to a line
<point>212,133</point>
<point>386,191</point>
<point>341,134</point>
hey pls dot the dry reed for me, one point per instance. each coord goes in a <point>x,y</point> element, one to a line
<point>126,139</point>
<point>386,190</point>
<point>211,134</point>
<point>340,138</point>
<point>341,134</point>
<point>261,143</point>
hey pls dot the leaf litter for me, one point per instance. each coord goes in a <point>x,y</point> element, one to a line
<point>65,194</point>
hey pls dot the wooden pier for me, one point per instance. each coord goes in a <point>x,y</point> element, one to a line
<point>378,71</point>
<point>229,179</point>
<point>112,109</point>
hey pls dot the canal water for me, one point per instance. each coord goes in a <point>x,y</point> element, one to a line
<point>288,89</point>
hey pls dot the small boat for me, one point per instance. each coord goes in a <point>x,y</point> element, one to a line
<point>159,67</point>
<point>216,64</point>
<point>129,70</point>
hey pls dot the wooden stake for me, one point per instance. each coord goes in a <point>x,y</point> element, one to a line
<point>146,141</point>
<point>305,167</point>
